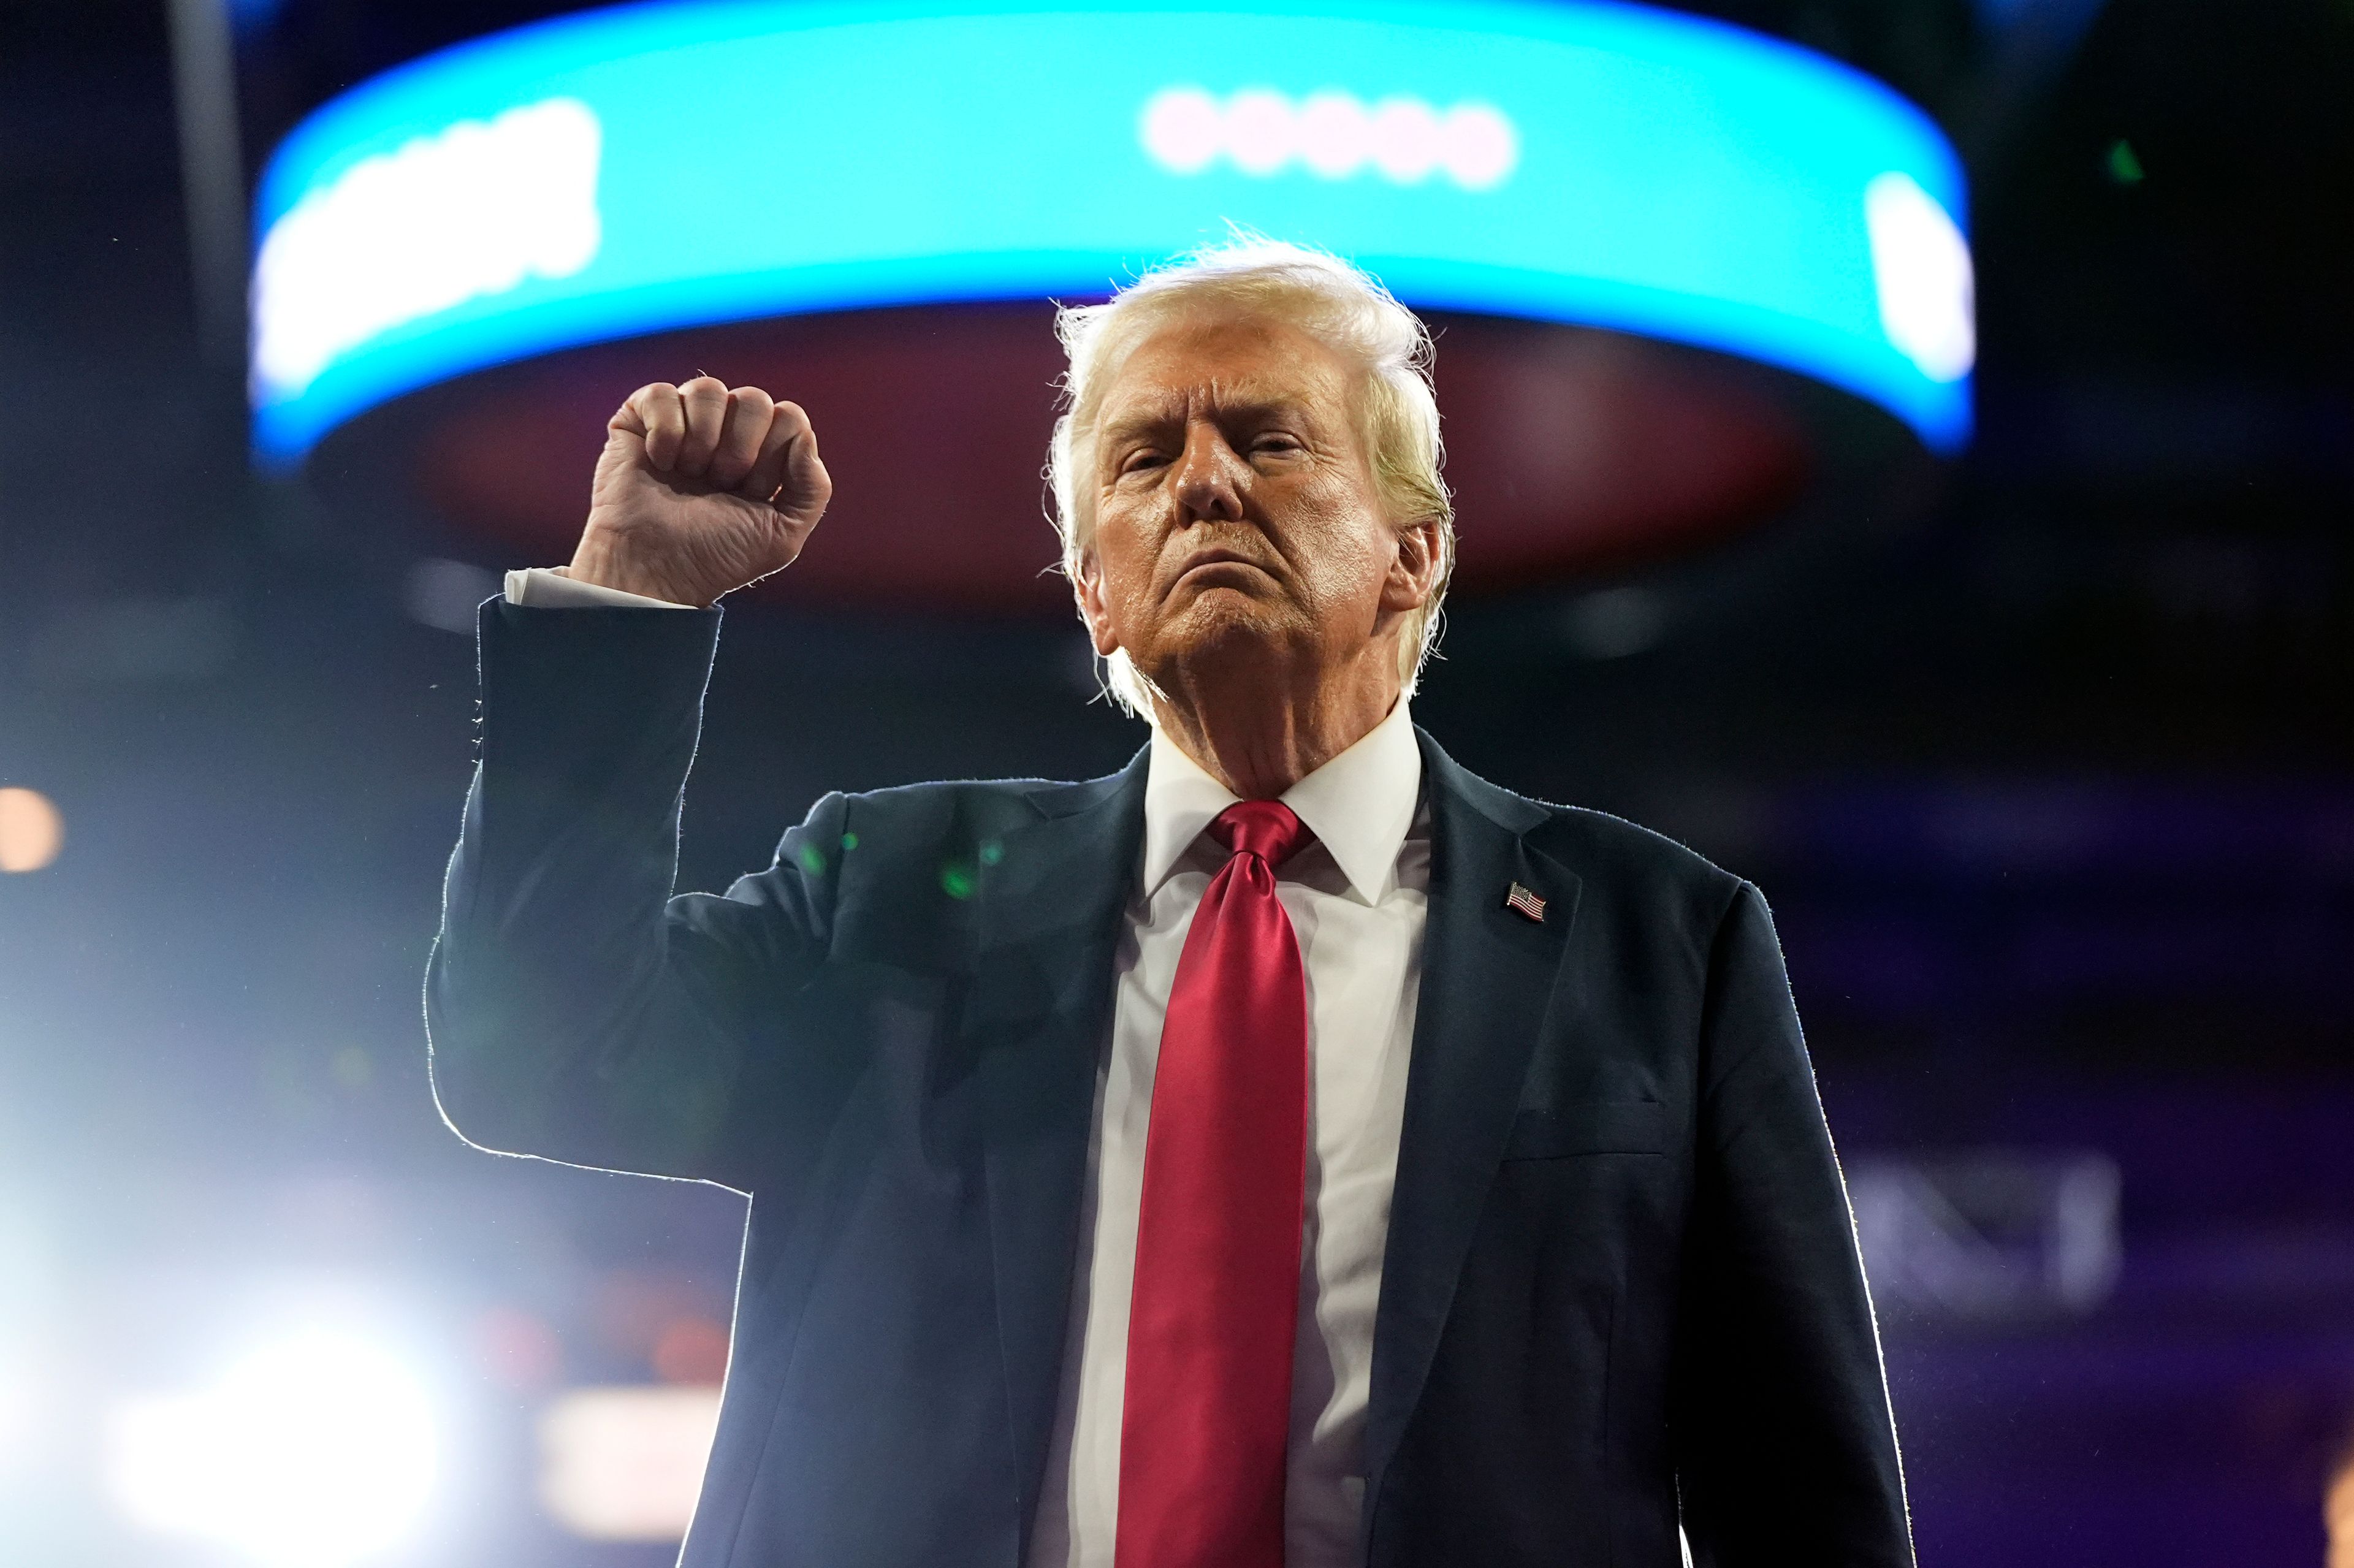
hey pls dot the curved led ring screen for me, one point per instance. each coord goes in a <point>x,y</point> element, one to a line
<point>660,165</point>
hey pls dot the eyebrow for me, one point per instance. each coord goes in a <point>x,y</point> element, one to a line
<point>1143,420</point>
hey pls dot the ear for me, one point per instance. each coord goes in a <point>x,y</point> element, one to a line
<point>1086,587</point>
<point>1413,574</point>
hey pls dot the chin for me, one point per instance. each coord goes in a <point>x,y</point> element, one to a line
<point>1222,626</point>
<point>1218,614</point>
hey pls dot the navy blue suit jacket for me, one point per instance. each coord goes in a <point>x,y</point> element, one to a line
<point>1621,1290</point>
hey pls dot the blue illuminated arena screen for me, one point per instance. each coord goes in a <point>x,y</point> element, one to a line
<point>661,165</point>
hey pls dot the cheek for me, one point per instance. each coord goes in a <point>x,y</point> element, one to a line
<point>1122,568</point>
<point>1348,546</point>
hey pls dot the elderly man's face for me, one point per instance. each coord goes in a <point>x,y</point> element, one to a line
<point>1235,517</point>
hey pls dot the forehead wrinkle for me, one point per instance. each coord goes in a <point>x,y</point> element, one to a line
<point>1217,397</point>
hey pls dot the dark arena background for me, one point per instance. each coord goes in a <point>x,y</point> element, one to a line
<point>1989,602</point>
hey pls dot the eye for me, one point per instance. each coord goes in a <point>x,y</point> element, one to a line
<point>1140,460</point>
<point>1277,442</point>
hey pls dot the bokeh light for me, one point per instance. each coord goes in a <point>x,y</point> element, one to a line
<point>32,830</point>
<point>625,1464</point>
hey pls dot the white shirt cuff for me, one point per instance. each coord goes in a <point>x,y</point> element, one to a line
<point>550,588</point>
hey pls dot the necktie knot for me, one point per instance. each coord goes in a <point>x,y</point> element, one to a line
<point>1267,828</point>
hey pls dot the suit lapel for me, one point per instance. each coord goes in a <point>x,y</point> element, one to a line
<point>1047,926</point>
<point>1488,979</point>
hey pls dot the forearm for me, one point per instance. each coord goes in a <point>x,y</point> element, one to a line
<point>562,1020</point>
<point>575,1009</point>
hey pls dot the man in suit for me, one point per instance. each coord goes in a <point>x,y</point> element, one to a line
<point>1290,1150</point>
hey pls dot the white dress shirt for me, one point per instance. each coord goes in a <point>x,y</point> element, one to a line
<point>1356,898</point>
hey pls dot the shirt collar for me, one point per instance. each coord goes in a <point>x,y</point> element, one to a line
<point>1359,805</point>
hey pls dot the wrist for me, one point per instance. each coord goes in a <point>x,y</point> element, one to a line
<point>603,561</point>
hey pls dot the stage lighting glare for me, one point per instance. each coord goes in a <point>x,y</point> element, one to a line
<point>317,1452</point>
<point>471,211</point>
<point>31,830</point>
<point>1921,265</point>
<point>1260,132</point>
<point>1478,145</point>
<point>1405,140</point>
<point>1182,129</point>
<point>625,1464</point>
<point>19,1417</point>
<point>1586,161</point>
<point>1331,134</point>
<point>1335,135</point>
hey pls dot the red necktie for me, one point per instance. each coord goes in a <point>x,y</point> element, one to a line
<point>1207,1410</point>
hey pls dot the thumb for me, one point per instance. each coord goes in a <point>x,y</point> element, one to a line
<point>789,472</point>
<point>806,483</point>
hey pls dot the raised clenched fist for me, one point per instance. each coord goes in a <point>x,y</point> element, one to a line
<point>702,489</point>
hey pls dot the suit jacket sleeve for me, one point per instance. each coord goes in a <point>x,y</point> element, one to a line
<point>575,1009</point>
<point>1786,1449</point>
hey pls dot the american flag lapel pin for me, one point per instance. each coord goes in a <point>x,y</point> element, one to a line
<point>1526,903</point>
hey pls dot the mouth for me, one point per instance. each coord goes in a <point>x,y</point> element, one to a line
<point>1217,562</point>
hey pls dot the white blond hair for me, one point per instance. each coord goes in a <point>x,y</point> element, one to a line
<point>1330,299</point>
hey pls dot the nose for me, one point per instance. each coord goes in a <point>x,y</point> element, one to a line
<point>1210,476</point>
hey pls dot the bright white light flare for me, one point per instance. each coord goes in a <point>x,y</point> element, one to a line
<point>1921,265</point>
<point>470,211</point>
<point>318,1452</point>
